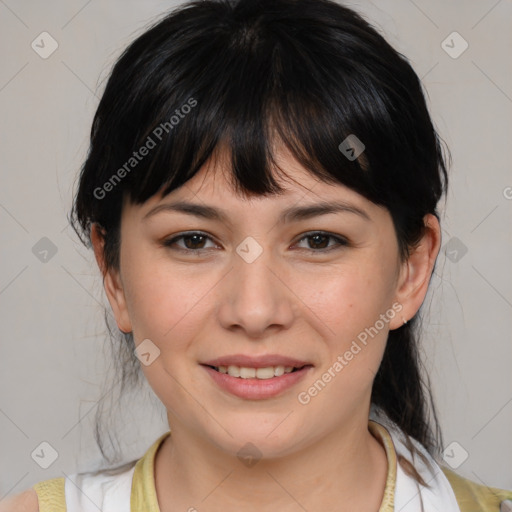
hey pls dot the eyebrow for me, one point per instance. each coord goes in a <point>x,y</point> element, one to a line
<point>293,214</point>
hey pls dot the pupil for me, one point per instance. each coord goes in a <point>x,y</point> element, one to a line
<point>193,244</point>
<point>316,237</point>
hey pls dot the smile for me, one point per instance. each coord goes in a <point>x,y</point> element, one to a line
<point>256,383</point>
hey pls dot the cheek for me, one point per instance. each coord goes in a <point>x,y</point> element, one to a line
<point>158,297</point>
<point>352,349</point>
<point>165,307</point>
<point>351,298</point>
<point>350,303</point>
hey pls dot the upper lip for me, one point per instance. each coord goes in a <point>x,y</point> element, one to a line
<point>263,361</point>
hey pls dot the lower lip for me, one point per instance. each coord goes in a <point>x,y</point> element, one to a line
<point>257,389</point>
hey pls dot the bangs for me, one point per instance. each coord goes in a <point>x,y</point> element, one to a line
<point>246,102</point>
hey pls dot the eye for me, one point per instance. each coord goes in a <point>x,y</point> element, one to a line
<point>194,241</point>
<point>320,238</point>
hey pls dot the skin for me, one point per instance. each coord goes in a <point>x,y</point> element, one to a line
<point>195,306</point>
<point>25,501</point>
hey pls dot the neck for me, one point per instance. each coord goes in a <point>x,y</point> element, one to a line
<point>343,471</point>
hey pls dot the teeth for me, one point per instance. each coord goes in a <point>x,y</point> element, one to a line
<point>234,371</point>
<point>279,370</point>
<point>265,373</point>
<point>244,372</point>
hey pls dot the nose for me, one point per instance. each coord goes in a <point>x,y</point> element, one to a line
<point>256,295</point>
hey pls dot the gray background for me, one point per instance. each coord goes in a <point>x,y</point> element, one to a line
<point>52,362</point>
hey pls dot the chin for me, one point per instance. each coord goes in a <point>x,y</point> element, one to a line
<point>257,438</point>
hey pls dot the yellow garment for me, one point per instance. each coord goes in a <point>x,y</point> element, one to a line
<point>471,496</point>
<point>143,488</point>
<point>50,494</point>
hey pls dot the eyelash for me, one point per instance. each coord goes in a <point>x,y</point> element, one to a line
<point>341,242</point>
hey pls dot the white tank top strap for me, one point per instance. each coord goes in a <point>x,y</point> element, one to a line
<point>89,493</point>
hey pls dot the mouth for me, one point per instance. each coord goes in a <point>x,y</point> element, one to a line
<point>254,378</point>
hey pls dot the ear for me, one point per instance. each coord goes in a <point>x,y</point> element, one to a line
<point>111,280</point>
<point>415,273</point>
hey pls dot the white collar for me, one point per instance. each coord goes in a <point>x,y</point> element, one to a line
<point>409,494</point>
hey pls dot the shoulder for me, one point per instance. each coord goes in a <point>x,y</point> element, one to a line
<point>474,497</point>
<point>25,501</point>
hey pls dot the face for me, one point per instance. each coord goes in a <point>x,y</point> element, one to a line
<point>254,289</point>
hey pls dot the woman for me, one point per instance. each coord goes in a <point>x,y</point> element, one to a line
<point>261,195</point>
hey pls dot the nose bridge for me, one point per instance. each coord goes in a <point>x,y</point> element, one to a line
<point>256,297</point>
<point>254,277</point>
